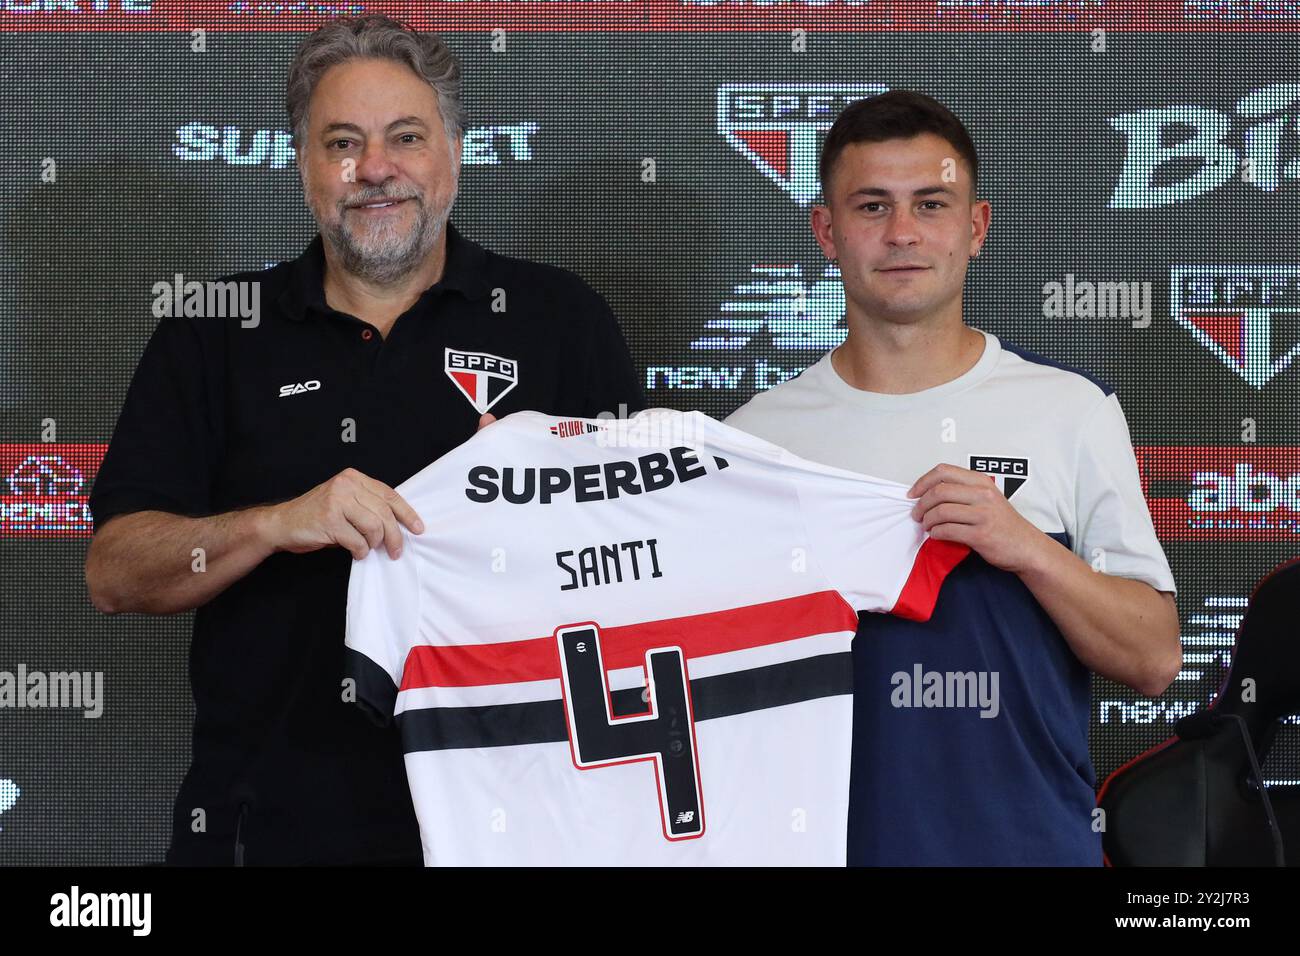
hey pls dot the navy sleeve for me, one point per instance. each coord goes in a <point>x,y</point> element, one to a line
<point>160,457</point>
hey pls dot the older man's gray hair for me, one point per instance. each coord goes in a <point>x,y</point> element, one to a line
<point>374,36</point>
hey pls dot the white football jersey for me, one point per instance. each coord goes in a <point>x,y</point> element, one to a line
<point>628,642</point>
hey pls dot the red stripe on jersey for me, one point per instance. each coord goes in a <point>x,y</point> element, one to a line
<point>698,635</point>
<point>933,561</point>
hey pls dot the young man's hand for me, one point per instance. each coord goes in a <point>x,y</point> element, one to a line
<point>957,504</point>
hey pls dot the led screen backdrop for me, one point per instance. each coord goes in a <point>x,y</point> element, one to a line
<point>1142,163</point>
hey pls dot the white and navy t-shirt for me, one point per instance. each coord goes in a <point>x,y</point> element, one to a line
<point>1010,781</point>
<point>629,642</point>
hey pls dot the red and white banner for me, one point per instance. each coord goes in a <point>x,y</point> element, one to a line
<point>1233,493</point>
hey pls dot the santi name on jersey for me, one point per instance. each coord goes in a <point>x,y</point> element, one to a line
<point>651,472</point>
<point>603,564</point>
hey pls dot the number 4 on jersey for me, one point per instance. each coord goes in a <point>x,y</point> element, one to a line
<point>664,735</point>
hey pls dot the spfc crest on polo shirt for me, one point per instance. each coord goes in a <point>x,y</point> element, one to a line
<point>1007,473</point>
<point>482,378</point>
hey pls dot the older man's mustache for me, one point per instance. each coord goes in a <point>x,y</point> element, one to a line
<point>374,199</point>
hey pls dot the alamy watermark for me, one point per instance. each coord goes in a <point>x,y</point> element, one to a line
<point>208,300</point>
<point>922,688</point>
<point>651,428</point>
<point>71,690</point>
<point>1077,298</point>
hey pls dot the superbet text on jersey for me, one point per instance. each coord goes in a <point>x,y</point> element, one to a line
<point>628,642</point>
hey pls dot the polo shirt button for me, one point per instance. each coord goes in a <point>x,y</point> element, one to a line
<point>365,334</point>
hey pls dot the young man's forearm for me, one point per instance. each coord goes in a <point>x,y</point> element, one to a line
<point>146,562</point>
<point>1122,629</point>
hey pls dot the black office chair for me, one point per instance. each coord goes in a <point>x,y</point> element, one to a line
<point>1197,799</point>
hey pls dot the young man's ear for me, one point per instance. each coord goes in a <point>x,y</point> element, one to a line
<point>819,220</point>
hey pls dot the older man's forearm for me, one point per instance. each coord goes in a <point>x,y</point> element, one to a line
<point>152,562</point>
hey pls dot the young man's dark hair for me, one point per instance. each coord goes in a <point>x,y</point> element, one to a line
<point>898,114</point>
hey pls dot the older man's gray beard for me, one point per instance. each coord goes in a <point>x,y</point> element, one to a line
<point>387,257</point>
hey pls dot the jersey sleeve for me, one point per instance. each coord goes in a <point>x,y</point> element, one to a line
<point>161,454</point>
<point>383,621</point>
<point>864,538</point>
<point>1113,530</point>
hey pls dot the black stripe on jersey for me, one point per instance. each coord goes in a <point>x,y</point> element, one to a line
<point>376,692</point>
<point>542,722</point>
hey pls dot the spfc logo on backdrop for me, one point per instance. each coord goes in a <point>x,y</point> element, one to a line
<point>482,378</point>
<point>1007,473</point>
<point>778,127</point>
<point>1249,316</point>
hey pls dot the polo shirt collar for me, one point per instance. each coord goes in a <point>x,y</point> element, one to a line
<point>463,272</point>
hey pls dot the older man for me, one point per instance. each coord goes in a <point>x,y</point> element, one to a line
<point>253,459</point>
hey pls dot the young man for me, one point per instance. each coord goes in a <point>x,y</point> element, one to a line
<point>971,730</point>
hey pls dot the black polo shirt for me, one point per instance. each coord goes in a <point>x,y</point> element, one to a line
<point>220,416</point>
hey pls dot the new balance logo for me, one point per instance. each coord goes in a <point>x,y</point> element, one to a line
<point>776,307</point>
<point>298,388</point>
